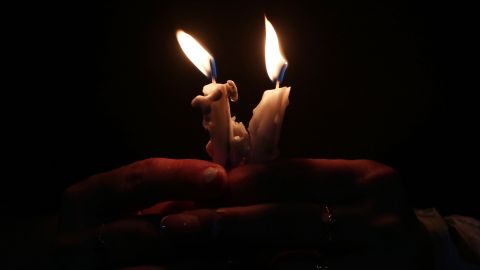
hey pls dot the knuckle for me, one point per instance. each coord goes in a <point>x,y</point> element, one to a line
<point>140,173</point>
<point>142,165</point>
<point>134,175</point>
<point>159,164</point>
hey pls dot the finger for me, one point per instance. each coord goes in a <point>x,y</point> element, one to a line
<point>357,232</point>
<point>139,185</point>
<point>143,239</point>
<point>166,208</point>
<point>193,233</point>
<point>120,243</point>
<point>267,225</point>
<point>310,180</point>
<point>206,233</point>
<point>134,241</point>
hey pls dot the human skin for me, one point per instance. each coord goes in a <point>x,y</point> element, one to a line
<point>193,213</point>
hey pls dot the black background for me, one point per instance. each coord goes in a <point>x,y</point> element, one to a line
<point>93,86</point>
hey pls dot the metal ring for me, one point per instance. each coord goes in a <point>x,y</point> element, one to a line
<point>329,221</point>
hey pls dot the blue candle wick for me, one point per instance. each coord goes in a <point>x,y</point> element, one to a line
<point>213,69</point>
<point>281,74</point>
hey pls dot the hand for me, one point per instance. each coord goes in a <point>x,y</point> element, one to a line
<point>100,224</point>
<point>278,210</point>
<point>266,210</point>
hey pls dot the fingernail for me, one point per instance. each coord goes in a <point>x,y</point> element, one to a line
<point>213,178</point>
<point>209,174</point>
<point>180,223</point>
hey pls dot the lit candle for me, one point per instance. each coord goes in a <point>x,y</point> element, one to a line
<point>267,119</point>
<point>229,140</point>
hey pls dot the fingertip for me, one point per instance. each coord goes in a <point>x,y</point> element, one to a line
<point>214,178</point>
<point>195,179</point>
<point>178,224</point>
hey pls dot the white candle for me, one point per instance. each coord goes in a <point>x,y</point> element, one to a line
<point>266,124</point>
<point>228,139</point>
<point>267,119</point>
<point>228,145</point>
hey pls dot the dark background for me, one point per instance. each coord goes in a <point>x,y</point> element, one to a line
<point>91,87</point>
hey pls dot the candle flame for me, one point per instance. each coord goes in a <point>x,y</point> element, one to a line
<point>274,59</point>
<point>199,56</point>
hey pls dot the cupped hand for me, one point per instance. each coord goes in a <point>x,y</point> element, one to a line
<point>310,214</point>
<point>288,214</point>
<point>106,218</point>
